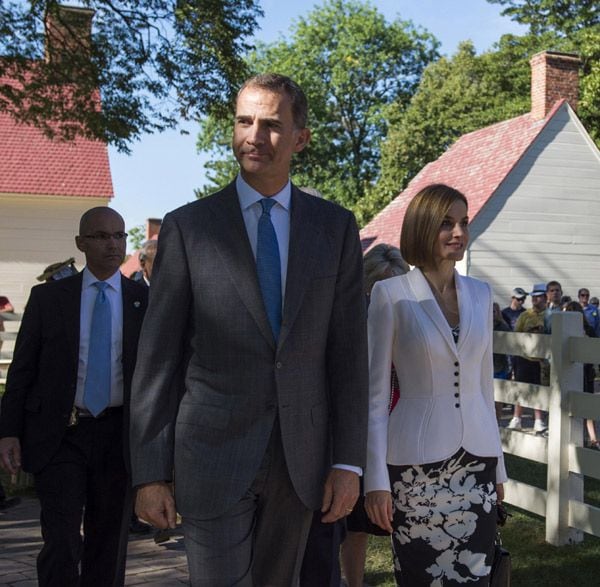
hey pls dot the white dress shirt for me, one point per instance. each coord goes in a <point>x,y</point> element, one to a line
<point>88,299</point>
<point>249,200</point>
<point>280,217</point>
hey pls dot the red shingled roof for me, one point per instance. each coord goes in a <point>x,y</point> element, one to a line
<point>31,163</point>
<point>476,164</point>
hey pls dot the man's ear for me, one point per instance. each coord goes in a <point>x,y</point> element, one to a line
<point>80,243</point>
<point>302,140</point>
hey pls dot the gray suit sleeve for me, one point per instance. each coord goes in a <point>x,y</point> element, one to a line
<point>158,381</point>
<point>347,362</point>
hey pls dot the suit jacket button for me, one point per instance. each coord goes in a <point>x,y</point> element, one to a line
<point>279,364</point>
<point>456,394</point>
<point>456,363</point>
<point>456,373</point>
<point>456,384</point>
<point>457,405</point>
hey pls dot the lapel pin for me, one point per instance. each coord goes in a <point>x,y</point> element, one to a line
<point>136,304</point>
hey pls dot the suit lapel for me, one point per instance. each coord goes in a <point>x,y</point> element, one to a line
<point>305,228</point>
<point>426,299</point>
<point>133,311</point>
<point>231,242</point>
<point>70,306</point>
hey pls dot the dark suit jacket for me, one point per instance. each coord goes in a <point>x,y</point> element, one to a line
<point>42,379</point>
<point>205,298</point>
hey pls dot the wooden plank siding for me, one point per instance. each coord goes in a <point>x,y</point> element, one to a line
<point>543,222</point>
<point>35,232</point>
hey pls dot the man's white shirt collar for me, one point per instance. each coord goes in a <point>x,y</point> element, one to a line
<point>114,281</point>
<point>249,196</point>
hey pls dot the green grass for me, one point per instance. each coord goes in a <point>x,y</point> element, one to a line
<point>535,563</point>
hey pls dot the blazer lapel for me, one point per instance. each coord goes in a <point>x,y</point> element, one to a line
<point>305,228</point>
<point>231,242</point>
<point>465,308</point>
<point>427,301</point>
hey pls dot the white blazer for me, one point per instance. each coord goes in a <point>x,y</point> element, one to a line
<point>446,388</point>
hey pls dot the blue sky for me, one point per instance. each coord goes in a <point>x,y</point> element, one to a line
<point>162,171</point>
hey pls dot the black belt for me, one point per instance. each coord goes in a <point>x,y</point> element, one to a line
<point>77,413</point>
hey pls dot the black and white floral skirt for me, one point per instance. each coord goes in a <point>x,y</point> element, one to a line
<point>444,521</point>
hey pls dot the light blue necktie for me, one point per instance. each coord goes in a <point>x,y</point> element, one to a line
<point>96,393</point>
<point>268,266</point>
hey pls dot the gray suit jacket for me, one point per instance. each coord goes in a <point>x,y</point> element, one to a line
<point>206,320</point>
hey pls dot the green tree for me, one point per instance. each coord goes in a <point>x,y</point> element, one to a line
<point>564,17</point>
<point>137,235</point>
<point>152,62</point>
<point>351,64</point>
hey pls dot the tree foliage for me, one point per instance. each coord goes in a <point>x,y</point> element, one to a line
<point>352,64</point>
<point>152,62</point>
<point>564,17</point>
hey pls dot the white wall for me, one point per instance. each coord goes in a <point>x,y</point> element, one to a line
<point>35,232</point>
<point>543,222</point>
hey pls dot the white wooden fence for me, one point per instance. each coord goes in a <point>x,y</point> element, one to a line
<point>562,504</point>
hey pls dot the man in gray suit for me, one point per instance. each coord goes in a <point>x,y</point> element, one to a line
<point>268,331</point>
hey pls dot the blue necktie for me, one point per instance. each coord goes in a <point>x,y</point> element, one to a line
<point>268,266</point>
<point>96,393</point>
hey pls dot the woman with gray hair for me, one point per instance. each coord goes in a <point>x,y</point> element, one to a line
<point>381,262</point>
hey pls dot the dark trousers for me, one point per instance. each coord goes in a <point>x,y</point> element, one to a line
<point>86,479</point>
<point>321,564</point>
<point>260,541</point>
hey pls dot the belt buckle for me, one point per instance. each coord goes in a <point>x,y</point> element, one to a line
<point>73,417</point>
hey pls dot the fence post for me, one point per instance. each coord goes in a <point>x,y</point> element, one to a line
<point>562,431</point>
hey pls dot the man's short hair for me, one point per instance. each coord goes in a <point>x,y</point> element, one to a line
<point>583,290</point>
<point>551,283</point>
<point>147,247</point>
<point>422,222</point>
<point>275,82</point>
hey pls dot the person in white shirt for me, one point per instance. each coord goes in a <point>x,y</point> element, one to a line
<point>434,464</point>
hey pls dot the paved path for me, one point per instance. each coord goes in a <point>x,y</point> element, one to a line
<point>147,562</point>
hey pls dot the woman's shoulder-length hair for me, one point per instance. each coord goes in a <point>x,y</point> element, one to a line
<point>422,222</point>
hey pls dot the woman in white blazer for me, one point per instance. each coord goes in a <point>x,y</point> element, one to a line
<point>434,464</point>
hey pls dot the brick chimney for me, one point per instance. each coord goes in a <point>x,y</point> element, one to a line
<point>554,76</point>
<point>68,31</point>
<point>152,227</point>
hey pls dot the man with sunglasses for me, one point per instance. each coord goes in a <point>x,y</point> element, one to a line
<point>511,313</point>
<point>65,409</point>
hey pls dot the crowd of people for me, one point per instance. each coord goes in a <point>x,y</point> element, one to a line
<point>546,299</point>
<point>282,402</point>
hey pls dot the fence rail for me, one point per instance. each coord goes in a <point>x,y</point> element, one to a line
<point>562,502</point>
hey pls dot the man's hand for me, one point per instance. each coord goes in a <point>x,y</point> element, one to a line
<point>379,509</point>
<point>154,504</point>
<point>340,494</point>
<point>10,454</point>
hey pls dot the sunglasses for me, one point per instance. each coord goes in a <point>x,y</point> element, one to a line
<point>519,299</point>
